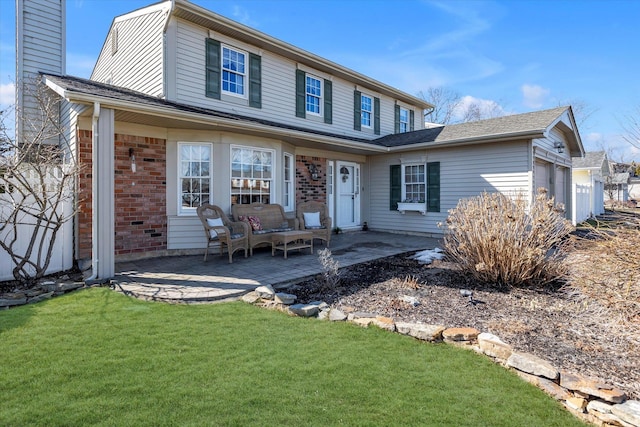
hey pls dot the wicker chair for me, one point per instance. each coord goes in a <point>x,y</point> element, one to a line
<point>322,231</point>
<point>218,229</point>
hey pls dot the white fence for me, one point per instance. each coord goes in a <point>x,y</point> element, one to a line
<point>582,196</point>
<point>62,254</point>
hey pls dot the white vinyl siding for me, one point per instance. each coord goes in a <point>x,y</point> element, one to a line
<point>138,62</point>
<point>278,87</point>
<point>464,172</point>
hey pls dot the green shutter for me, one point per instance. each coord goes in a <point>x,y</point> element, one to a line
<point>357,110</point>
<point>328,101</point>
<point>255,81</point>
<point>212,71</point>
<point>395,194</point>
<point>396,119</point>
<point>300,94</point>
<point>411,121</point>
<point>433,187</point>
<point>376,116</point>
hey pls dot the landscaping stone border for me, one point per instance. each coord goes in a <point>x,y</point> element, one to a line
<point>44,290</point>
<point>592,401</point>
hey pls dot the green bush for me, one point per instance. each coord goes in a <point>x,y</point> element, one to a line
<point>506,241</point>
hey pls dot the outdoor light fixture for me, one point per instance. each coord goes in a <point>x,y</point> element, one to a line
<point>132,156</point>
<point>313,170</point>
<point>345,173</point>
<point>559,146</point>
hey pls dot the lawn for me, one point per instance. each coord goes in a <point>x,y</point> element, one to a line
<point>96,357</point>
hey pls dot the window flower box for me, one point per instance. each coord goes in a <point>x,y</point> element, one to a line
<point>412,206</point>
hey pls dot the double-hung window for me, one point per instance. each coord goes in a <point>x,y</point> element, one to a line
<point>251,175</point>
<point>366,110</point>
<point>404,120</point>
<point>194,175</point>
<point>289,175</point>
<point>234,72</point>
<point>414,183</point>
<point>313,95</point>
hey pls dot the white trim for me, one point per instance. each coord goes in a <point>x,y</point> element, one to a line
<point>245,74</point>
<point>191,211</point>
<point>371,111</point>
<point>320,98</point>
<point>289,184</point>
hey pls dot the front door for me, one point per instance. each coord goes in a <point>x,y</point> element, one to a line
<point>347,184</point>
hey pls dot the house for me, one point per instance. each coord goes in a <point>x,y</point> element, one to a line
<point>210,110</point>
<point>589,176</point>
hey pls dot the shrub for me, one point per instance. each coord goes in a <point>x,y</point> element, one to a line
<point>330,269</point>
<point>506,241</point>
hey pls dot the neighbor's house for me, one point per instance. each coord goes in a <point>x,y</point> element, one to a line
<point>590,174</point>
<point>185,106</point>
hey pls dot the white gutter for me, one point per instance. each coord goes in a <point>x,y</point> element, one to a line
<point>94,193</point>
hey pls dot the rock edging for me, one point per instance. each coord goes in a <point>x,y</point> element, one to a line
<point>44,290</point>
<point>592,401</point>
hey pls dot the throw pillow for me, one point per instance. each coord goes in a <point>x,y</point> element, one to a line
<point>254,221</point>
<point>311,219</point>
<point>214,222</point>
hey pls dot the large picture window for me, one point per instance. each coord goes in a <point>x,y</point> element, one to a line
<point>233,71</point>
<point>194,175</point>
<point>251,175</point>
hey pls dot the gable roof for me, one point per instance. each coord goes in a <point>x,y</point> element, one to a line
<point>526,125</point>
<point>591,160</point>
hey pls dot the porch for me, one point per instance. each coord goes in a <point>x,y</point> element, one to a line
<point>189,279</point>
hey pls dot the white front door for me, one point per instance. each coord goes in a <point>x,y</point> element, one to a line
<point>347,179</point>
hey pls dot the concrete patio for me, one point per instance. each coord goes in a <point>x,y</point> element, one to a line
<point>189,279</point>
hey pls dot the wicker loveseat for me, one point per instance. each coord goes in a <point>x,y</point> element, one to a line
<point>263,220</point>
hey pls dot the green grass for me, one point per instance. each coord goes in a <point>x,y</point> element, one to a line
<point>95,357</point>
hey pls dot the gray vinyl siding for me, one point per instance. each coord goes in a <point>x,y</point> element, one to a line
<point>138,61</point>
<point>464,172</point>
<point>278,87</point>
<point>40,47</point>
<point>185,233</point>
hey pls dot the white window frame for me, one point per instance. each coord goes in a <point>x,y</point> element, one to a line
<point>244,74</point>
<point>249,181</point>
<point>404,124</point>
<point>288,175</point>
<point>406,197</point>
<point>366,115</point>
<point>308,94</point>
<point>191,210</point>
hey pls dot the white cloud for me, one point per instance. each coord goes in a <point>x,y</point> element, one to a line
<point>487,108</point>
<point>7,94</point>
<point>241,15</point>
<point>534,95</point>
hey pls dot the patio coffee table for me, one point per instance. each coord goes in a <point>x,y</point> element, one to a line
<point>288,240</point>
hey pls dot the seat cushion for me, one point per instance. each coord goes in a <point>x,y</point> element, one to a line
<point>311,219</point>
<point>214,222</point>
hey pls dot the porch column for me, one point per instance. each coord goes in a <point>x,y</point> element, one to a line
<point>105,176</point>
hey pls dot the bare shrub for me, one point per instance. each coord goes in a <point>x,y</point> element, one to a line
<point>330,269</point>
<point>504,241</point>
<point>606,268</point>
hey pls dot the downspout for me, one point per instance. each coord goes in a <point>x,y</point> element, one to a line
<point>94,193</point>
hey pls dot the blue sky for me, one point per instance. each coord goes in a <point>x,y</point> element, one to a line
<point>521,55</point>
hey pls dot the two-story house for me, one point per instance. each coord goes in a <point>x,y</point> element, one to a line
<point>186,106</point>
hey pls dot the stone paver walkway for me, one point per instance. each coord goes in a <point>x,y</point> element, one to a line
<point>189,279</point>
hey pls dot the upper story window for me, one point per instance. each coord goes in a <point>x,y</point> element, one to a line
<point>366,110</point>
<point>404,120</point>
<point>233,71</point>
<point>313,95</point>
<point>194,175</point>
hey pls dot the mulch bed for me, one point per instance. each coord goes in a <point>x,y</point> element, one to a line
<point>553,323</point>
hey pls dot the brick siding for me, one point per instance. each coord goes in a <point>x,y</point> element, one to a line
<point>307,188</point>
<point>140,197</point>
